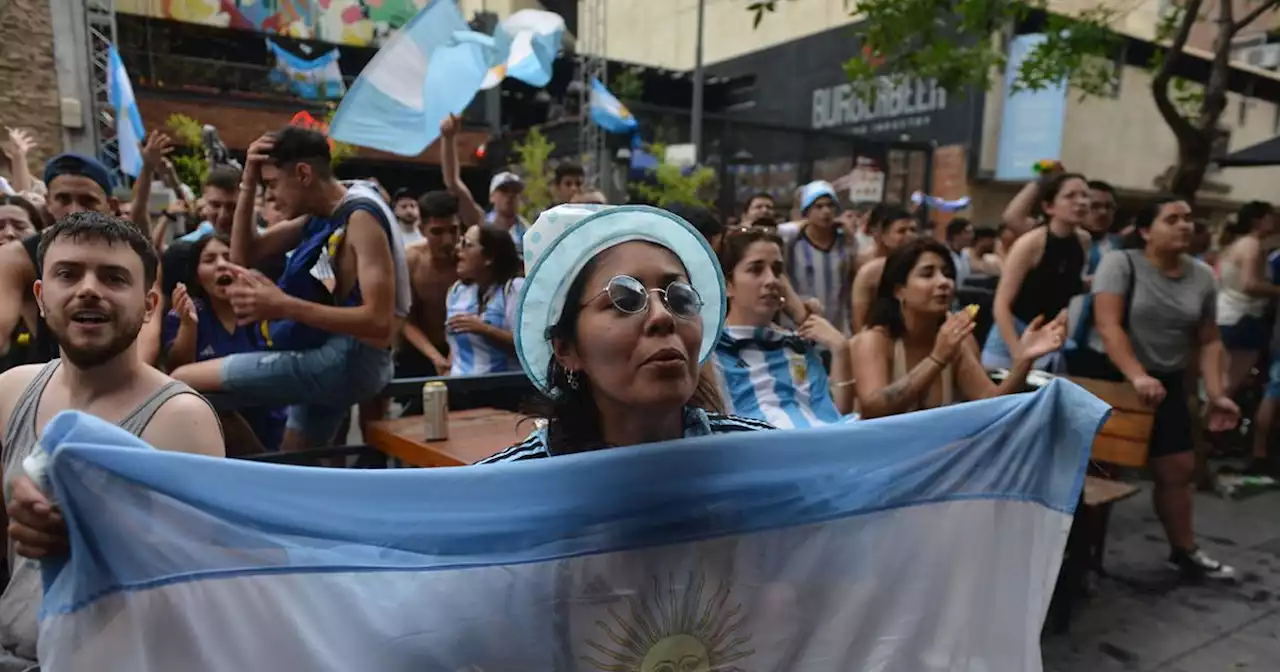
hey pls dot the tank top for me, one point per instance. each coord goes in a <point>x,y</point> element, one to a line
<point>1050,284</point>
<point>1233,304</point>
<point>20,603</point>
<point>900,371</point>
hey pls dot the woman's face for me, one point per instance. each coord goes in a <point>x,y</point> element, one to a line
<point>213,269</point>
<point>471,260</point>
<point>1071,205</point>
<point>15,224</point>
<point>754,288</point>
<point>646,360</point>
<point>1172,229</point>
<point>929,286</point>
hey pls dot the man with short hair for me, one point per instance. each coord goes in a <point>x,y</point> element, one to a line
<point>1101,219</point>
<point>433,268</point>
<point>567,181</point>
<point>959,238</point>
<point>219,194</point>
<point>333,316</point>
<point>76,184</point>
<point>405,205</point>
<point>897,228</point>
<point>96,290</point>
<point>759,206</point>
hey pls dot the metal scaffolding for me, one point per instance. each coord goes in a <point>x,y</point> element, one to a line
<point>100,28</point>
<point>592,65</point>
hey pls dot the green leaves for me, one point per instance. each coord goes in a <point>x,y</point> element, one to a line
<point>536,170</point>
<point>673,186</point>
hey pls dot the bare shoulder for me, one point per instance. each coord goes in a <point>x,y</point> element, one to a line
<point>186,423</point>
<point>1086,240</point>
<point>871,342</point>
<point>12,384</point>
<point>870,272</point>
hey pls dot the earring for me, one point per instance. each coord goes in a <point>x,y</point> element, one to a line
<point>571,377</point>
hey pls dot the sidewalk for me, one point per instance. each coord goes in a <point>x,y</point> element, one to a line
<point>1138,618</point>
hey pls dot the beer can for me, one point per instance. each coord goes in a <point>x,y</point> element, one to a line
<point>435,410</point>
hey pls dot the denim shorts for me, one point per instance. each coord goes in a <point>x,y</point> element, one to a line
<point>319,385</point>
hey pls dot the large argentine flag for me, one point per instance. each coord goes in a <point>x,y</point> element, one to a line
<point>413,84</point>
<point>129,131</point>
<point>911,544</point>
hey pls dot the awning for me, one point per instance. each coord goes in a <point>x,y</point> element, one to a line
<point>1266,153</point>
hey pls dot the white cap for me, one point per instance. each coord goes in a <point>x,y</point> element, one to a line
<point>503,179</point>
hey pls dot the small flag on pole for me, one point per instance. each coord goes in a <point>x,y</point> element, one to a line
<point>608,112</point>
<point>129,132</point>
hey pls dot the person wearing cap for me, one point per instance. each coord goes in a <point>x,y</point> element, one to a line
<point>405,206</point>
<point>611,330</point>
<point>817,254</point>
<point>504,190</point>
<point>76,183</point>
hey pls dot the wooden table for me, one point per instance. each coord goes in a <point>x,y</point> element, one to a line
<point>473,435</point>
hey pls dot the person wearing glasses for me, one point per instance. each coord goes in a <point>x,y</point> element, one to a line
<point>480,306</point>
<point>766,372</point>
<point>613,333</point>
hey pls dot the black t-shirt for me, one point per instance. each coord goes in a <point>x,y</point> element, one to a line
<point>43,347</point>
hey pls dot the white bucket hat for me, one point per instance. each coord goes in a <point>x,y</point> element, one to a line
<point>565,238</point>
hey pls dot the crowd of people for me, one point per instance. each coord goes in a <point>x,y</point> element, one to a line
<point>254,317</point>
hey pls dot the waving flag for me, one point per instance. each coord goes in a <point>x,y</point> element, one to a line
<point>526,44</point>
<point>316,78</point>
<point>608,112</point>
<point>922,542</point>
<point>129,132</point>
<point>412,84</point>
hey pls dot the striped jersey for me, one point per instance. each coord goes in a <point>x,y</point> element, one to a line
<point>475,354</point>
<point>517,231</point>
<point>697,422</point>
<point>824,274</point>
<point>773,375</point>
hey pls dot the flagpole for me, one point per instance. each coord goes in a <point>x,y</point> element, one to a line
<point>695,132</point>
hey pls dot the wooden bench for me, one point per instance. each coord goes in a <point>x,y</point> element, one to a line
<point>1122,442</point>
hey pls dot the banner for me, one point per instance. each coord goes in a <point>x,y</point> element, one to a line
<point>929,541</point>
<point>319,78</point>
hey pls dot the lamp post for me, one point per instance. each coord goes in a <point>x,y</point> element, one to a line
<point>695,132</point>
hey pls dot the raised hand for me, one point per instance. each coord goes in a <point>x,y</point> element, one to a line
<point>20,143</point>
<point>157,146</point>
<point>1041,339</point>
<point>184,305</point>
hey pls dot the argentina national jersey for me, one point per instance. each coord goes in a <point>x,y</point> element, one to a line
<point>818,273</point>
<point>775,376</point>
<point>476,354</point>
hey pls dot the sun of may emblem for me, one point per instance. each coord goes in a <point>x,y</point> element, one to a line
<point>676,630</point>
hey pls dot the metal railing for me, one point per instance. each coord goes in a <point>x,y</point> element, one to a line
<point>207,75</point>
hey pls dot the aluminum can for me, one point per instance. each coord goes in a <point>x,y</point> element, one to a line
<point>435,410</point>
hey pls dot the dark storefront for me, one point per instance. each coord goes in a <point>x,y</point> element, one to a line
<point>883,147</point>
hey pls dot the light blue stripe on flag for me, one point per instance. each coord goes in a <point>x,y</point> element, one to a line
<point>411,85</point>
<point>608,112</point>
<point>129,131</point>
<point>928,541</point>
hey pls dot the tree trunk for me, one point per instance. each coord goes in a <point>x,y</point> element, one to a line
<point>1193,163</point>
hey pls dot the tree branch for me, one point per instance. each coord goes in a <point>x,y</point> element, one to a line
<point>1215,90</point>
<point>1181,126</point>
<point>1253,15</point>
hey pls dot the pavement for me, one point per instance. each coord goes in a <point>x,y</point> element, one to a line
<point>1140,617</point>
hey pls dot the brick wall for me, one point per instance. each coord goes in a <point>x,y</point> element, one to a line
<point>27,78</point>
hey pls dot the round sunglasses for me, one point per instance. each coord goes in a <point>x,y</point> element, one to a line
<point>629,295</point>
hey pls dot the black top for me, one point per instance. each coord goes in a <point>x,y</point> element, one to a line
<point>1050,284</point>
<point>43,346</point>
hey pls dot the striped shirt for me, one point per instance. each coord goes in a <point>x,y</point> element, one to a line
<point>775,376</point>
<point>697,422</point>
<point>824,274</point>
<point>476,354</point>
<point>517,231</point>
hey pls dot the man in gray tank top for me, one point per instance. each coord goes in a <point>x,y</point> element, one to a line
<point>95,292</point>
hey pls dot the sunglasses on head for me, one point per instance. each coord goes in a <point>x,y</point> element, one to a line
<point>629,295</point>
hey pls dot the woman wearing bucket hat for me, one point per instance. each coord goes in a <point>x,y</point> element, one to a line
<point>619,308</point>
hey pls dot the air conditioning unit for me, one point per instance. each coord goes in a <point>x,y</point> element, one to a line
<point>1262,56</point>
